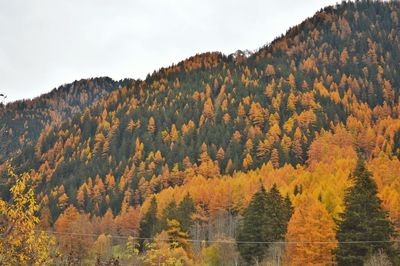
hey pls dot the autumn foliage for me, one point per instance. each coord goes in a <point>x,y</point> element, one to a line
<point>166,169</point>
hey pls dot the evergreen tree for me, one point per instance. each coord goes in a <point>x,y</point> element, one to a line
<point>288,211</point>
<point>277,215</point>
<point>265,220</point>
<point>169,213</point>
<point>181,213</point>
<point>363,221</point>
<point>149,223</point>
<point>253,229</point>
<point>185,210</point>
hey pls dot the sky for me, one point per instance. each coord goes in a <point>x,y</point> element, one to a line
<point>47,43</point>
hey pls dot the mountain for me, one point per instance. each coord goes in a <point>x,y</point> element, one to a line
<point>22,121</point>
<point>296,113</point>
<point>233,113</point>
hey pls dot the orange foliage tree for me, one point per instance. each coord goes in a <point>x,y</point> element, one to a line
<point>311,234</point>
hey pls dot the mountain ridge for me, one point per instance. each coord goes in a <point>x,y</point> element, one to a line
<point>59,104</point>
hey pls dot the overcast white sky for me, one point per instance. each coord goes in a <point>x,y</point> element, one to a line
<point>46,43</point>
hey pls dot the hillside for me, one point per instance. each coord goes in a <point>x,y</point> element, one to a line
<point>296,113</point>
<point>22,121</point>
<point>235,115</point>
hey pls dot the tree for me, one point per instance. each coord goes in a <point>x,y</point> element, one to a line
<point>311,234</point>
<point>208,110</point>
<point>182,214</point>
<point>265,220</point>
<point>269,70</point>
<point>149,223</point>
<point>185,211</point>
<point>207,168</point>
<point>275,158</point>
<point>74,233</point>
<point>287,209</point>
<point>20,242</point>
<point>161,252</point>
<point>252,231</point>
<point>257,114</point>
<point>169,213</point>
<point>127,223</point>
<point>344,56</point>
<point>178,238</point>
<point>151,127</point>
<point>102,248</point>
<point>279,212</point>
<point>364,221</point>
<point>221,253</point>
<point>220,154</point>
<point>106,224</point>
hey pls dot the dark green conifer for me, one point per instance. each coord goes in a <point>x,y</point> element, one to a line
<point>149,223</point>
<point>169,213</point>
<point>363,222</point>
<point>277,216</point>
<point>265,221</point>
<point>184,214</point>
<point>253,229</point>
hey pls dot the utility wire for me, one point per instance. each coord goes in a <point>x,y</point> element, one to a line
<point>228,241</point>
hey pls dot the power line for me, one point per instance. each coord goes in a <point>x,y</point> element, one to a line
<point>227,241</point>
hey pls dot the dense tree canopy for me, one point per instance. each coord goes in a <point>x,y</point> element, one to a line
<point>182,154</point>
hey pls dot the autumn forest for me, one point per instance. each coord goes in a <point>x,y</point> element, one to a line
<point>289,155</point>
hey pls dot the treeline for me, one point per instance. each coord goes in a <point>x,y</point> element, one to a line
<point>270,231</point>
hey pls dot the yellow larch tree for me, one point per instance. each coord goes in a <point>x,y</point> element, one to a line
<point>151,127</point>
<point>311,234</point>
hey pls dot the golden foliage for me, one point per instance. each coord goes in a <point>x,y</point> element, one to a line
<point>21,243</point>
<point>311,234</point>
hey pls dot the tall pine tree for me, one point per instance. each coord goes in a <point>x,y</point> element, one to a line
<point>265,220</point>
<point>253,229</point>
<point>169,213</point>
<point>363,223</point>
<point>279,212</point>
<point>185,210</point>
<point>182,213</point>
<point>149,223</point>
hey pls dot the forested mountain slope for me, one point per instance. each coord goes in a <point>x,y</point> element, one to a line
<point>22,121</point>
<point>209,130</point>
<point>225,114</point>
